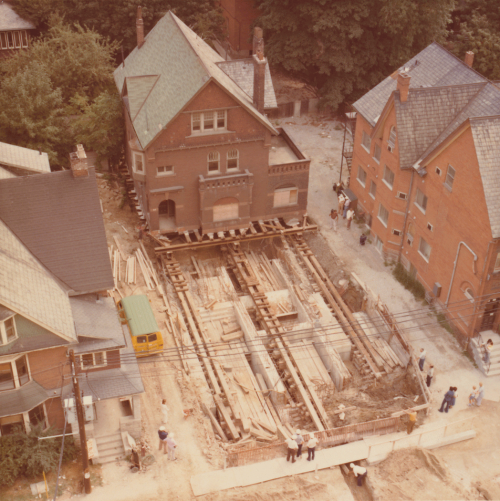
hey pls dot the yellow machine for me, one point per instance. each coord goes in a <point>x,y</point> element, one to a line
<point>136,312</point>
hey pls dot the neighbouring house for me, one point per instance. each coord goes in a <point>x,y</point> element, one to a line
<point>426,169</point>
<point>200,150</point>
<point>14,31</point>
<point>54,274</point>
<point>19,161</point>
<point>239,16</point>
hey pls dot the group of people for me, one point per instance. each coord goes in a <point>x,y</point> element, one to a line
<point>294,447</point>
<point>344,211</point>
<point>167,442</point>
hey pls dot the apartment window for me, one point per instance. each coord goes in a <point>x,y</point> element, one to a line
<point>377,153</point>
<point>469,294</point>
<point>213,162</point>
<point>6,377</point>
<point>388,177</point>
<point>383,215</point>
<point>450,177</point>
<point>361,176</point>
<point>232,160</point>
<point>424,249</point>
<point>391,142</point>
<point>138,163</point>
<point>438,171</point>
<point>366,141</point>
<point>285,196</point>
<point>23,375</point>
<point>164,170</point>
<point>497,263</point>
<point>209,121</point>
<point>421,201</point>
<point>373,189</point>
<point>92,360</point>
<point>396,232</point>
<point>430,227</point>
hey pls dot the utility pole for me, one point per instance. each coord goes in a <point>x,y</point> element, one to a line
<point>81,425</point>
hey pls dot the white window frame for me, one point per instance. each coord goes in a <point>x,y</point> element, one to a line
<point>135,156</point>
<point>468,294</point>
<point>293,197</point>
<point>165,172</point>
<point>373,195</point>
<point>396,232</point>
<point>448,185</point>
<point>424,256</point>
<point>212,157</point>
<point>3,330</point>
<point>94,364</point>
<point>385,223</point>
<point>376,149</point>
<point>202,118</point>
<point>13,40</point>
<point>401,195</point>
<point>386,169</point>
<point>438,171</point>
<point>13,369</point>
<point>233,154</point>
<point>391,141</point>
<point>379,244</point>
<point>421,207</point>
<point>366,139</point>
<point>362,182</point>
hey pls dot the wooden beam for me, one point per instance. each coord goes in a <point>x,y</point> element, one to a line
<point>216,424</point>
<point>227,418</point>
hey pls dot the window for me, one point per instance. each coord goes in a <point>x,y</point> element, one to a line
<point>138,162</point>
<point>37,415</point>
<point>424,249</point>
<point>11,424</point>
<point>361,176</point>
<point>366,141</point>
<point>209,121</point>
<point>165,170</point>
<point>402,196</point>
<point>373,189</point>
<point>430,227</point>
<point>383,215</point>
<point>226,209</point>
<point>388,177</point>
<point>10,329</point>
<point>213,162</point>
<point>469,294</point>
<point>377,153</point>
<point>497,263</point>
<point>232,160</point>
<point>450,177</point>
<point>391,142</point>
<point>6,377</point>
<point>438,171</point>
<point>92,360</point>
<point>285,196</point>
<point>13,39</point>
<point>22,370</point>
<point>421,201</point>
<point>379,244</point>
<point>396,232</point>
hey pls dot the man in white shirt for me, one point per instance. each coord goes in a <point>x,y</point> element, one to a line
<point>350,217</point>
<point>421,360</point>
<point>359,472</point>
<point>171,446</point>
<point>300,441</point>
<point>292,448</point>
<point>311,447</point>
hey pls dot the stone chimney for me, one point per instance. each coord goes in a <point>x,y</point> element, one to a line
<point>469,58</point>
<point>403,86</point>
<point>259,70</point>
<point>139,24</point>
<point>78,162</point>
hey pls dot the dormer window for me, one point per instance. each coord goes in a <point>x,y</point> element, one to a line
<point>206,122</point>
<point>391,142</point>
<point>8,332</point>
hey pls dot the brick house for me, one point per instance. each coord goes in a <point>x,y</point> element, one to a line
<point>426,169</point>
<point>239,16</point>
<point>54,273</point>
<point>200,150</point>
<point>14,31</point>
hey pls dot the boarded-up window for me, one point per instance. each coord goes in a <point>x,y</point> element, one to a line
<point>285,196</point>
<point>226,209</point>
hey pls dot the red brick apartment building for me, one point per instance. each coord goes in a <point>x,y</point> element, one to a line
<point>199,147</point>
<point>426,169</point>
<point>239,16</point>
<point>14,31</point>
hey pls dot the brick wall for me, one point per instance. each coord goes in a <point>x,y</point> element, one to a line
<point>239,16</point>
<point>47,367</point>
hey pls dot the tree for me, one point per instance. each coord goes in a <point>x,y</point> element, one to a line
<point>344,47</point>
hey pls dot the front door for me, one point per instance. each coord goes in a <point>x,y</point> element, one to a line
<point>489,315</point>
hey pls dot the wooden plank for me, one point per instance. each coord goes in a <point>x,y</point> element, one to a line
<point>120,248</point>
<point>227,418</point>
<point>268,427</point>
<point>417,408</point>
<point>216,424</point>
<point>197,235</point>
<point>231,337</point>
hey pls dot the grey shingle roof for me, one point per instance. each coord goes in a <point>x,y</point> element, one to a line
<point>424,116</point>
<point>184,63</point>
<point>22,400</point>
<point>58,218</point>
<point>23,158</point>
<point>241,71</point>
<point>432,67</point>
<point>29,289</point>
<point>486,134</point>
<point>9,20</point>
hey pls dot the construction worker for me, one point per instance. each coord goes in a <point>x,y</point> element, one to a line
<point>359,472</point>
<point>412,419</point>
<point>292,448</point>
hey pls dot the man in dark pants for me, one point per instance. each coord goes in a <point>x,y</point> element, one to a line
<point>292,449</point>
<point>311,448</point>
<point>448,397</point>
<point>300,442</point>
<point>359,472</point>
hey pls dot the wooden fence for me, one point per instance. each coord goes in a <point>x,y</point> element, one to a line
<point>327,438</point>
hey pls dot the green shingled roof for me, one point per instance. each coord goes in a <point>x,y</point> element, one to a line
<point>141,319</point>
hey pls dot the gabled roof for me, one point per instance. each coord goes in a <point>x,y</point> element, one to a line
<point>27,288</point>
<point>241,71</point>
<point>434,66</point>
<point>426,114</point>
<point>23,158</point>
<point>58,218</point>
<point>184,63</point>
<point>9,20</point>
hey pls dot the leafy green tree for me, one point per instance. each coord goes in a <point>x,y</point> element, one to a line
<point>344,47</point>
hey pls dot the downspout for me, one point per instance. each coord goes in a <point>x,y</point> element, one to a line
<point>455,268</point>
<point>406,217</point>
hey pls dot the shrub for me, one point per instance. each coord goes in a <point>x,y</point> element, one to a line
<point>408,282</point>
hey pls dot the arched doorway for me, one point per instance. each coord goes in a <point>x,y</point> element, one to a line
<point>166,213</point>
<point>226,209</point>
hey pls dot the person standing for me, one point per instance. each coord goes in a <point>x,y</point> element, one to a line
<point>488,347</point>
<point>171,446</point>
<point>341,203</point>
<point>292,448</point>
<point>480,395</point>
<point>454,397</point>
<point>164,411</point>
<point>430,375</point>
<point>162,435</point>
<point>447,400</point>
<point>473,397</point>
<point>421,360</point>
<point>346,207</point>
<point>300,442</point>
<point>412,419</point>
<point>359,472</point>
<point>311,448</point>
<point>334,218</point>
<point>350,217</point>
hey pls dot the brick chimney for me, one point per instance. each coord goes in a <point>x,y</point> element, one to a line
<point>469,58</point>
<point>78,162</point>
<point>139,24</point>
<point>259,70</point>
<point>403,86</point>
